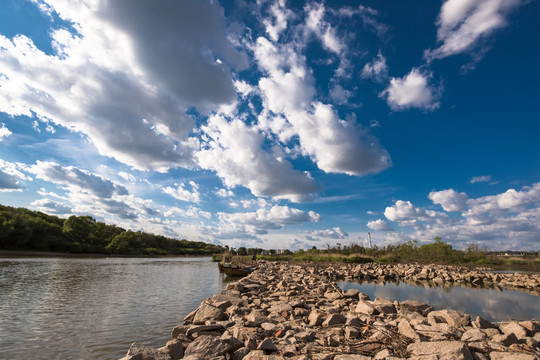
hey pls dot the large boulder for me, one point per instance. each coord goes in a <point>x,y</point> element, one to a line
<point>455,350</point>
<point>208,312</point>
<point>452,317</point>
<point>141,352</point>
<point>208,346</point>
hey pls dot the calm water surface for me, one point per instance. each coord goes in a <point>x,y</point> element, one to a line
<point>491,304</point>
<point>78,308</point>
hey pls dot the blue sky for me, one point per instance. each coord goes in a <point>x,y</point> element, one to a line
<point>277,124</point>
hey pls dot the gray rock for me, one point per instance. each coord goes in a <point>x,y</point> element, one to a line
<point>267,345</point>
<point>240,353</point>
<point>315,318</point>
<point>334,319</point>
<point>351,293</point>
<point>207,347</point>
<point>141,352</point>
<point>208,312</point>
<point>174,348</point>
<point>365,307</point>
<point>256,318</point>
<point>473,335</point>
<point>444,349</point>
<point>514,328</point>
<point>481,323</point>
<point>416,306</point>
<point>497,355</point>
<point>405,328</point>
<point>452,317</point>
<point>505,339</point>
<point>384,306</point>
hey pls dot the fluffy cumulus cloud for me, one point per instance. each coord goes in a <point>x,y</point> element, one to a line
<point>404,210</point>
<point>71,176</point>
<point>376,70</point>
<point>509,220</point>
<point>463,24</point>
<point>11,175</point>
<point>111,80</point>
<point>50,206</point>
<point>288,90</point>
<point>450,200</point>
<point>181,192</point>
<point>4,132</point>
<point>235,152</point>
<point>327,234</point>
<point>379,225</point>
<point>412,91</point>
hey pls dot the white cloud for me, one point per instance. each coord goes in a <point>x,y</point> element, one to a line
<point>10,176</point>
<point>462,24</point>
<point>376,70</point>
<point>327,234</point>
<point>180,192</point>
<point>404,210</point>
<point>235,152</point>
<point>412,91</point>
<point>126,176</point>
<point>50,206</point>
<point>334,144</point>
<point>509,220</point>
<point>9,182</point>
<point>478,179</point>
<point>71,176</point>
<point>315,24</point>
<point>450,200</point>
<point>112,81</point>
<point>339,95</point>
<point>281,15</point>
<point>379,225</point>
<point>224,193</point>
<point>277,217</point>
<point>4,132</point>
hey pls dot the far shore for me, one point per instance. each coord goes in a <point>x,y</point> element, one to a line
<point>29,253</point>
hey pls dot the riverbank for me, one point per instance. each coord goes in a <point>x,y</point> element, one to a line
<point>292,311</point>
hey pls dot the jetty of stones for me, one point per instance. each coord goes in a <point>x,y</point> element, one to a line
<point>296,311</point>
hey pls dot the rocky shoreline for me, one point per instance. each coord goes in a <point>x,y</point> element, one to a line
<point>293,311</point>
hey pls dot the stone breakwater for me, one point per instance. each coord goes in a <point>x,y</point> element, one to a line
<point>287,311</point>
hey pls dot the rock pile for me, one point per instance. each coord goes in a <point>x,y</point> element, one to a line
<point>285,311</point>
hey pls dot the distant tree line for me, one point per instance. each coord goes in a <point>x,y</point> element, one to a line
<point>23,229</point>
<point>407,252</point>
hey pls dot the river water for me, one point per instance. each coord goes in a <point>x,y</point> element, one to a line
<point>491,304</point>
<point>93,308</point>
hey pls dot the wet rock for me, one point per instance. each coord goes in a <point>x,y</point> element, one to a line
<point>141,352</point>
<point>416,306</point>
